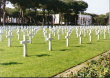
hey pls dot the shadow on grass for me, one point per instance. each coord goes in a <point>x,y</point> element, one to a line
<point>64,49</point>
<point>41,55</point>
<point>80,46</point>
<point>10,63</point>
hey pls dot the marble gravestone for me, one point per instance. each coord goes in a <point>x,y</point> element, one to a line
<point>80,37</point>
<point>50,42</point>
<point>9,36</point>
<point>30,36</point>
<point>90,35</point>
<point>58,33</point>
<point>98,34</point>
<point>67,39</point>
<point>1,35</point>
<point>24,42</point>
<point>104,33</point>
<point>18,32</point>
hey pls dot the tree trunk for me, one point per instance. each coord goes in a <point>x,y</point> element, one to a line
<point>53,21</point>
<point>61,19</point>
<point>22,16</point>
<point>0,11</point>
<point>36,20</point>
<point>43,22</point>
<point>48,17</point>
<point>76,18</point>
<point>4,12</point>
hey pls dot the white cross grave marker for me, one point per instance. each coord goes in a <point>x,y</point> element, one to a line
<point>50,42</point>
<point>62,30</point>
<point>58,33</point>
<point>30,37</point>
<point>80,37</point>
<point>46,35</point>
<point>104,34</point>
<point>67,39</point>
<point>24,42</point>
<point>1,33</point>
<point>98,35</point>
<point>18,32</point>
<point>90,35</point>
<point>77,32</point>
<point>9,36</point>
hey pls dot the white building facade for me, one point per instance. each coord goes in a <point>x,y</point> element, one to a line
<point>84,20</point>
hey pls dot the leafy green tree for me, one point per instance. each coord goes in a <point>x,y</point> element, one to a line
<point>0,10</point>
<point>108,18</point>
<point>34,4</point>
<point>22,5</point>
<point>4,11</point>
<point>63,8</point>
<point>76,7</point>
<point>101,20</point>
<point>48,7</point>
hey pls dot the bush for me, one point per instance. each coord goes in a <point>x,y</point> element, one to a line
<point>96,69</point>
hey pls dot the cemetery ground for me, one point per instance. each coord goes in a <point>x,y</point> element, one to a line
<point>43,63</point>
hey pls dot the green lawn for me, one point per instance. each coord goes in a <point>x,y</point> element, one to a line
<point>43,63</point>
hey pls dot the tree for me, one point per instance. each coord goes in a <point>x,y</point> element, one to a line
<point>108,18</point>
<point>22,5</point>
<point>43,6</point>
<point>34,4</point>
<point>60,8</point>
<point>76,7</point>
<point>48,7</point>
<point>4,12</point>
<point>101,20</point>
<point>0,10</point>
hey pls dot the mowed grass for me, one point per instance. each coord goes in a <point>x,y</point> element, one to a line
<point>43,63</point>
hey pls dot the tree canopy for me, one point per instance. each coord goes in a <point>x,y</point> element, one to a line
<point>48,6</point>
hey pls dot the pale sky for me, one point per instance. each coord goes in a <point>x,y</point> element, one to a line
<point>98,6</point>
<point>95,6</point>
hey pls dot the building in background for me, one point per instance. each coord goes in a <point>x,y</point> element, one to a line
<point>56,18</point>
<point>84,20</point>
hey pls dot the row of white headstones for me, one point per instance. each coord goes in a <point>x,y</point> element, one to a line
<point>48,32</point>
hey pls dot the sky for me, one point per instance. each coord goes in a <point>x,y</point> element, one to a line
<point>95,6</point>
<point>98,6</point>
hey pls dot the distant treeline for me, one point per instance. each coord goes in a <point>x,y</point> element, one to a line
<point>39,12</point>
